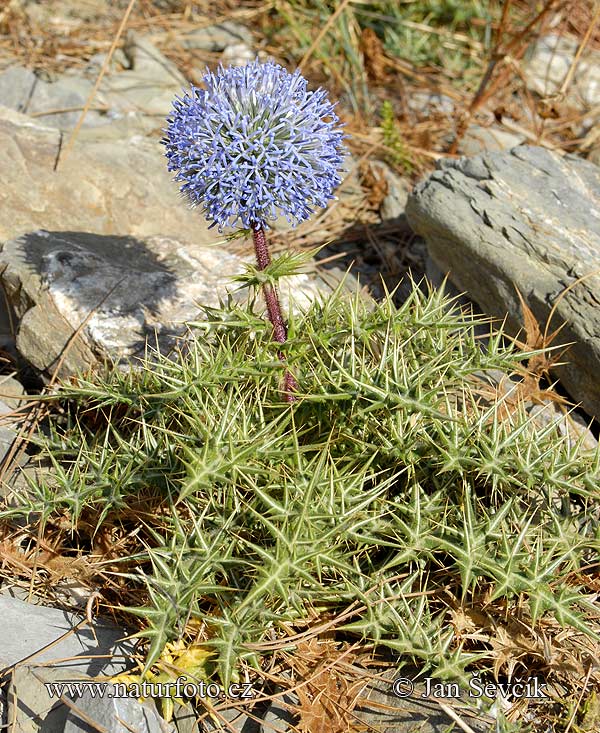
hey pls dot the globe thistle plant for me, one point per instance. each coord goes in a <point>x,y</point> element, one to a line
<point>253,145</point>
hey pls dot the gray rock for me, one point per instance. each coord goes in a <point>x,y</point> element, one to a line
<point>66,13</point>
<point>27,630</point>
<point>549,62</point>
<point>21,593</point>
<point>184,719</point>
<point>140,86</point>
<point>16,486</point>
<point>478,139</point>
<point>149,86</point>
<point>148,62</point>
<point>55,103</point>
<point>230,720</point>
<point>118,62</point>
<point>120,125</point>
<point>114,715</point>
<point>67,593</point>
<point>16,87</point>
<point>11,390</point>
<point>69,93</point>
<point>523,219</point>
<point>427,103</point>
<point>11,421</point>
<point>131,287</point>
<point>8,434</point>
<point>394,203</point>
<point>7,328</point>
<point>125,290</point>
<point>380,709</point>
<point>216,38</point>
<point>568,422</point>
<point>104,187</point>
<point>30,705</point>
<point>280,716</point>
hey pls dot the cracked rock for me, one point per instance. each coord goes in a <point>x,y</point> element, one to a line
<point>528,219</point>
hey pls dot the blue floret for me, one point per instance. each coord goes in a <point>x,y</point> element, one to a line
<point>253,145</point>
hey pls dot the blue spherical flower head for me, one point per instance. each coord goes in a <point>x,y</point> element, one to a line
<point>253,145</point>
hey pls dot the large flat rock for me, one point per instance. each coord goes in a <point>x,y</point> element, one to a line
<point>52,637</point>
<point>527,220</point>
<point>79,296</point>
<point>105,187</point>
<point>122,290</point>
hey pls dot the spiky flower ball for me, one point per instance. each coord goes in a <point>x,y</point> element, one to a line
<point>253,145</point>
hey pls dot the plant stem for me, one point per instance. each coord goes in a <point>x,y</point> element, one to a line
<point>263,259</point>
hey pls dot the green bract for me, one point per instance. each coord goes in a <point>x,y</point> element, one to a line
<point>394,484</point>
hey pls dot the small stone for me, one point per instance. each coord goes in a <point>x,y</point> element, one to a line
<point>72,593</point>
<point>425,104</point>
<point>394,203</point>
<point>149,86</point>
<point>66,13</point>
<point>150,63</point>
<point>569,423</point>
<point>550,60</point>
<point>594,155</point>
<point>478,139</point>
<point>216,38</point>
<point>10,392</point>
<point>118,62</point>
<point>238,54</point>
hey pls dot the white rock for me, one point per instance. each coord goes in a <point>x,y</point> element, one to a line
<point>238,54</point>
<point>549,63</point>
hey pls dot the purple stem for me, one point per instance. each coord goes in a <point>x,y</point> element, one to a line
<point>263,259</point>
